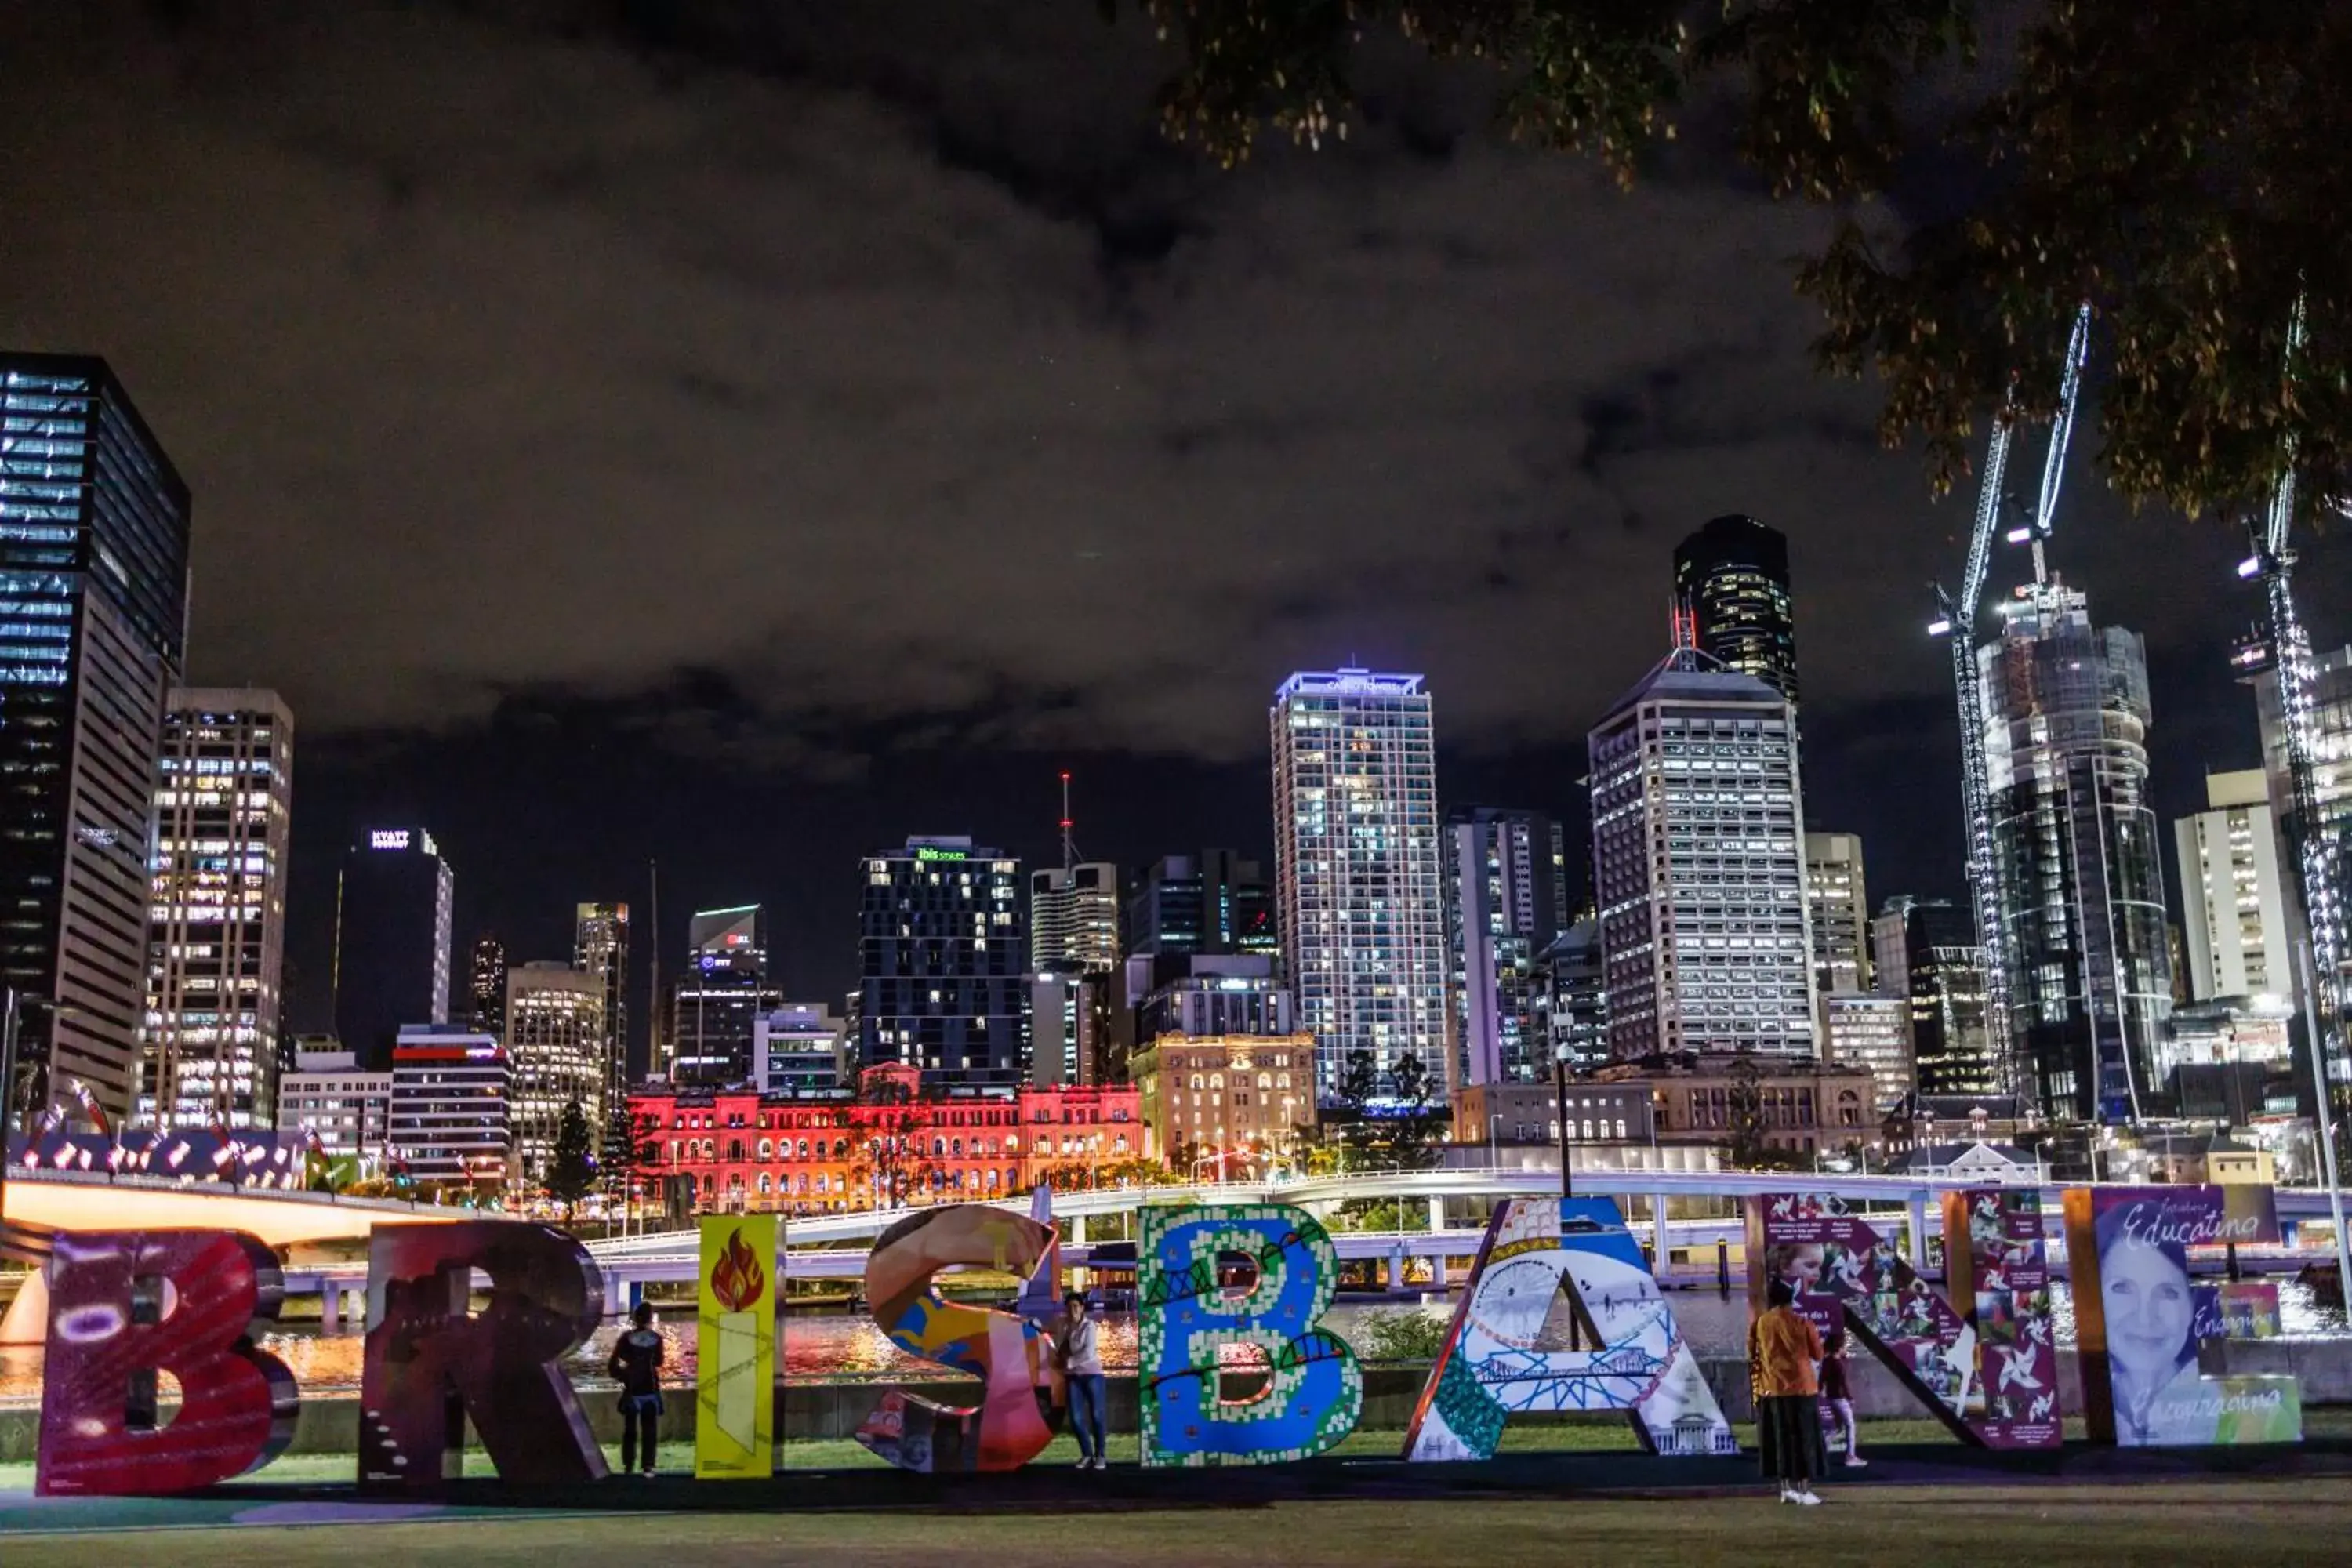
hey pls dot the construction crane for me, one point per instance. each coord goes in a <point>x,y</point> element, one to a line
<point>2283,648</point>
<point>1957,616</point>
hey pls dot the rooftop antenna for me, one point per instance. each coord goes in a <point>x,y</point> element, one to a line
<point>1069,845</point>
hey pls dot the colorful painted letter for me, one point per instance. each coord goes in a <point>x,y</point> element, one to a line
<point>428,1364</point>
<point>1988,1371</point>
<point>735,1349</point>
<point>126,1305</point>
<point>1549,1264</point>
<point>2135,1318</point>
<point>1233,1292</point>
<point>1009,1427</point>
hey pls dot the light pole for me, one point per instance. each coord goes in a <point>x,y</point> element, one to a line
<point>1559,1089</point>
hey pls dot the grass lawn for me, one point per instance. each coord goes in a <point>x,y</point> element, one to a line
<point>1558,1434</point>
<point>2249,1521</point>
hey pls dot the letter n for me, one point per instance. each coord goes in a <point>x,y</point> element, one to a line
<point>431,1363</point>
<point>127,1306</point>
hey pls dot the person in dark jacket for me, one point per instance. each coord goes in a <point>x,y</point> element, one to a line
<point>636,1366</point>
<point>1838,1393</point>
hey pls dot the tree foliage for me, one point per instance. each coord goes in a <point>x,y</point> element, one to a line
<point>1744,1105</point>
<point>572,1164</point>
<point>2182,167</point>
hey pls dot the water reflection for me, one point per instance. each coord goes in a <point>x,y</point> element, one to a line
<point>842,1344</point>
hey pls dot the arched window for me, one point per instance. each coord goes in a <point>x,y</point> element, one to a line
<point>840,1148</point>
<point>805,1147</point>
<point>955,1147</point>
<point>765,1185</point>
<point>1620,1127</point>
<point>938,1147</point>
<point>767,1149</point>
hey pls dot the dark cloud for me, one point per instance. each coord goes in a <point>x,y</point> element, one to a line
<point>791,386</point>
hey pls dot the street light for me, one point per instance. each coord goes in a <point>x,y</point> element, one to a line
<point>1559,1088</point>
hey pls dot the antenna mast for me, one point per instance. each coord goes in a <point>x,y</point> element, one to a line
<point>1069,847</point>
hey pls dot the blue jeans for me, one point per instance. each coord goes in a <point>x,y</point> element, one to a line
<point>1089,1406</point>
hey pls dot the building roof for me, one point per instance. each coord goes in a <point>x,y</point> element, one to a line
<point>1683,674</point>
<point>1938,1156</point>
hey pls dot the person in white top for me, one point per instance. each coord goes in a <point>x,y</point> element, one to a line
<point>1077,1345</point>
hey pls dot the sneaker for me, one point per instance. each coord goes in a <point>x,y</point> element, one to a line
<point>1101,1463</point>
<point>1788,1495</point>
<point>1857,1462</point>
<point>647,1472</point>
<point>1808,1499</point>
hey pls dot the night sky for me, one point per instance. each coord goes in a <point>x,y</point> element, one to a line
<point>745,434</point>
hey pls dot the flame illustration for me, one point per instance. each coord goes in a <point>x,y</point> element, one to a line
<point>738,1280</point>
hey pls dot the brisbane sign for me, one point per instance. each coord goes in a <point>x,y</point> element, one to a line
<point>1221,1290</point>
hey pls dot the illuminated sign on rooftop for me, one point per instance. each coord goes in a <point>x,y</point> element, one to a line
<point>388,838</point>
<point>933,852</point>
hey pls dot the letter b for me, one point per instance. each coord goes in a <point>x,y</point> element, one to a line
<point>126,1305</point>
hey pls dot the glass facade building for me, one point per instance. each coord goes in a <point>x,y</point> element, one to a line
<point>720,997</point>
<point>2077,854</point>
<point>393,913</point>
<point>1074,918</point>
<point>93,629</point>
<point>1506,896</point>
<point>556,1043</point>
<point>1359,870</point>
<point>487,986</point>
<point>599,946</point>
<point>1925,950</point>
<point>1214,901</point>
<point>942,984</point>
<point>1731,593</point>
<point>1840,912</point>
<point>1698,862</point>
<point>216,931</point>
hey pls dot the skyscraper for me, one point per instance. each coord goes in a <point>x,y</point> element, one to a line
<point>216,932</point>
<point>722,995</point>
<point>2233,892</point>
<point>1214,901</point>
<point>93,628</point>
<point>1359,870</point>
<point>1731,594</point>
<point>1505,896</point>
<point>556,1043</point>
<point>1074,918</point>
<point>393,910</point>
<point>1699,829</point>
<point>1926,951</point>
<point>2076,853</point>
<point>599,946</point>
<point>1840,912</point>
<point>1573,994</point>
<point>941,982</point>
<point>488,988</point>
<point>2331,709</point>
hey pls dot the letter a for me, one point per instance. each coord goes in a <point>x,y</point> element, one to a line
<point>126,1305</point>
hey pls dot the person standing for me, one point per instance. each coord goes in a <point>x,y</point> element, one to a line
<point>1783,1347</point>
<point>635,1365</point>
<point>1840,1395</point>
<point>1077,1344</point>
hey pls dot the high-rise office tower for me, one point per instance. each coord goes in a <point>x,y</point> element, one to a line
<point>1731,596</point>
<point>2233,892</point>
<point>1573,994</point>
<point>1214,901</point>
<point>393,910</point>
<point>1074,918</point>
<point>1874,1031</point>
<point>2077,854</point>
<point>93,626</point>
<point>722,995</point>
<point>487,987</point>
<point>2331,712</point>
<point>1360,871</point>
<point>216,931</point>
<point>1840,912</point>
<point>1505,896</point>
<point>599,946</point>
<point>942,981</point>
<point>556,1049</point>
<point>1926,951</point>
<point>1699,829</point>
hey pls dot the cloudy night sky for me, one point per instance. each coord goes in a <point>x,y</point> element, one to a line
<point>745,434</point>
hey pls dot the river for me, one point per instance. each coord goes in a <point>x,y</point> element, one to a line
<point>844,1344</point>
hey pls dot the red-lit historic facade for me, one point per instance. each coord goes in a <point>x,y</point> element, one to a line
<point>754,1152</point>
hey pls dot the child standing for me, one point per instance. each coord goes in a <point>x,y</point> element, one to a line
<point>1835,1390</point>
